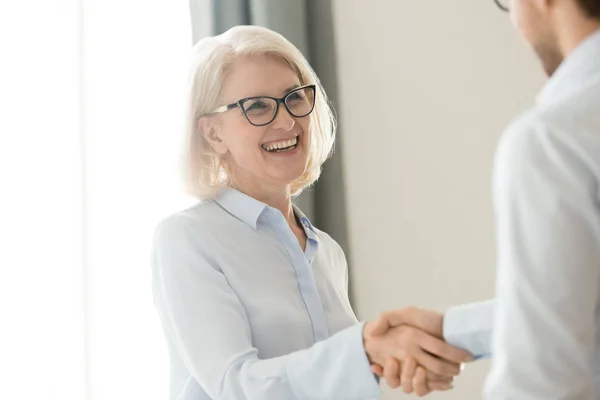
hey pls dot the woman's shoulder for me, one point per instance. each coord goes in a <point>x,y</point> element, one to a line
<point>200,211</point>
<point>329,244</point>
<point>186,238</point>
<point>201,218</point>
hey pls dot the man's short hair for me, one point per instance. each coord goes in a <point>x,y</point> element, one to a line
<point>591,8</point>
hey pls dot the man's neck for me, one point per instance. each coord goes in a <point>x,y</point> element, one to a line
<point>573,28</point>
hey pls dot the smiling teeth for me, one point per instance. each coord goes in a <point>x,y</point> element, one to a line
<point>281,145</point>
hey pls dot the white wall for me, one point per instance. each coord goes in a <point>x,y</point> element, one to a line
<point>425,90</point>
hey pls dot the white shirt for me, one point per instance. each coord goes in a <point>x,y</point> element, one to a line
<point>546,324</point>
<point>248,314</point>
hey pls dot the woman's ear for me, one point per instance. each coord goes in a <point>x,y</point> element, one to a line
<point>210,131</point>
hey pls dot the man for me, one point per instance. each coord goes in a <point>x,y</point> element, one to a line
<point>546,185</point>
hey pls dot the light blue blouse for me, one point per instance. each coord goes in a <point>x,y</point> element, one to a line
<point>248,314</point>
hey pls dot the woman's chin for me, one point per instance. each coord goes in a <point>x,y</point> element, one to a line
<point>287,177</point>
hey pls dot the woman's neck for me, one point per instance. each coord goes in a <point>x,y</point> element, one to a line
<point>277,197</point>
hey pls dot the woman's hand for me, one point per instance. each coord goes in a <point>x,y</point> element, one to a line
<point>412,377</point>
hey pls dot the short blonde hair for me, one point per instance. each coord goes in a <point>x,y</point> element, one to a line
<point>205,173</point>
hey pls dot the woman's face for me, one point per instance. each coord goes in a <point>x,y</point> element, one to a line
<point>273,155</point>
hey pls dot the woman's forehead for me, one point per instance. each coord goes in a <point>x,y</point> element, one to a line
<point>259,76</point>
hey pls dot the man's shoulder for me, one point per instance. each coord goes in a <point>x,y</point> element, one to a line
<point>551,145</point>
<point>566,129</point>
<point>577,114</point>
<point>523,136</point>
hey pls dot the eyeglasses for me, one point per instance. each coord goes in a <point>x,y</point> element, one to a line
<point>503,4</point>
<point>262,110</point>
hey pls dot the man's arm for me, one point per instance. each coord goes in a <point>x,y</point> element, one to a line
<point>548,268</point>
<point>470,326</point>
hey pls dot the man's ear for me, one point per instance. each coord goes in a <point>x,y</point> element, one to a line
<point>209,130</point>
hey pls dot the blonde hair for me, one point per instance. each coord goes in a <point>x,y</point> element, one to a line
<point>205,173</point>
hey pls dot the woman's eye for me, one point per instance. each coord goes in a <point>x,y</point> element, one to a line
<point>257,105</point>
<point>296,96</point>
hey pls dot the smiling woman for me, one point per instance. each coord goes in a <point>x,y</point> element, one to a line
<point>253,297</point>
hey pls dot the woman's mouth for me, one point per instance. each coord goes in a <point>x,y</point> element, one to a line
<point>281,145</point>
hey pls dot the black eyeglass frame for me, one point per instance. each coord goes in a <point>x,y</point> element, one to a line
<point>501,6</point>
<point>240,104</point>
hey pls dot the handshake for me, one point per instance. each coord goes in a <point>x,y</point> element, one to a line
<point>406,347</point>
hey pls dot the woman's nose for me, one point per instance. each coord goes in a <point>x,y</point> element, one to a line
<point>283,119</point>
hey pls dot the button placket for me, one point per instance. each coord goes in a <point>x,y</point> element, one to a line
<point>304,274</point>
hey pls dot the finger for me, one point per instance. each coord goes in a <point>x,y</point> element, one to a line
<point>420,382</point>
<point>436,365</point>
<point>409,367</point>
<point>439,386</point>
<point>391,372</point>
<point>442,349</point>
<point>431,377</point>
<point>377,370</point>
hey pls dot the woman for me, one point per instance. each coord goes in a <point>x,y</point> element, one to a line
<point>254,298</point>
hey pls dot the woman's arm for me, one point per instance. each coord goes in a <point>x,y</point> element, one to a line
<point>211,331</point>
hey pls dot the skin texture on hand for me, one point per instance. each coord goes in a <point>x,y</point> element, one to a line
<point>410,372</point>
<point>431,322</point>
<point>405,341</point>
<point>411,377</point>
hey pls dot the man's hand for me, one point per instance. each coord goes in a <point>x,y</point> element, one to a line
<point>431,322</point>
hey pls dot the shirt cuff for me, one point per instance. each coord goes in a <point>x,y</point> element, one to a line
<point>470,327</point>
<point>344,370</point>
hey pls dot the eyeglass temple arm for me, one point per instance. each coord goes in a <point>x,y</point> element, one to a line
<point>222,109</point>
